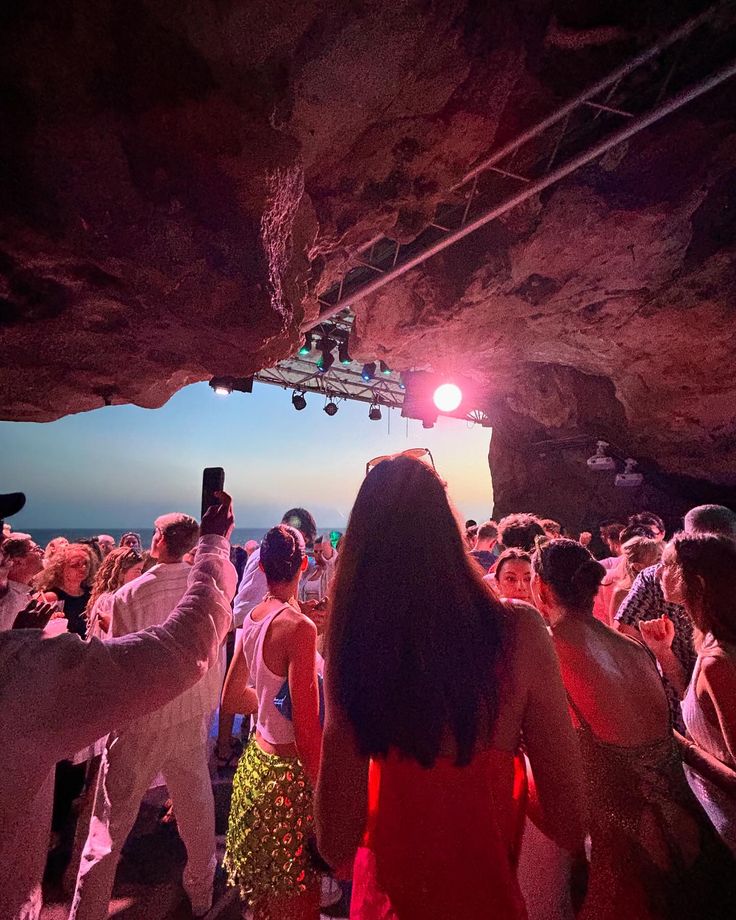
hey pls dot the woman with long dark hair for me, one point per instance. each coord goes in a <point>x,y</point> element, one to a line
<point>699,572</point>
<point>431,687</point>
<point>654,854</point>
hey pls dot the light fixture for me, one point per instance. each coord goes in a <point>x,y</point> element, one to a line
<point>374,413</point>
<point>298,401</point>
<point>326,358</point>
<point>600,462</point>
<point>223,386</point>
<point>447,397</point>
<point>402,380</point>
<point>385,369</point>
<point>629,479</point>
<point>331,408</point>
<point>343,354</point>
<point>307,346</point>
<point>369,371</point>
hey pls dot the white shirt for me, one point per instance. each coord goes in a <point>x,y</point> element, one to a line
<point>17,597</point>
<point>60,694</point>
<point>147,601</point>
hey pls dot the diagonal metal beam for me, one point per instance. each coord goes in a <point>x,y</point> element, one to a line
<point>533,188</point>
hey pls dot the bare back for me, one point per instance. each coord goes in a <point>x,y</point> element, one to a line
<point>612,681</point>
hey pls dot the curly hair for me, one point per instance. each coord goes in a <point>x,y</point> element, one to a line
<point>52,576</point>
<point>111,573</point>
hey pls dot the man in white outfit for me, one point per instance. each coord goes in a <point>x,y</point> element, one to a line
<point>173,740</point>
<point>60,694</point>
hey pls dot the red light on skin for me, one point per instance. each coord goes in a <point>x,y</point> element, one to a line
<point>448,397</point>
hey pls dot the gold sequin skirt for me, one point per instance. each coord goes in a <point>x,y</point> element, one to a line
<point>271,819</point>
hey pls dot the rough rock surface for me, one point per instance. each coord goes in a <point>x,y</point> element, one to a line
<point>180,180</point>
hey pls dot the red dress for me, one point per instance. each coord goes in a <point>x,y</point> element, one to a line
<point>442,843</point>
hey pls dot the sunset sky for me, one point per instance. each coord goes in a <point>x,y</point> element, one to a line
<point>121,466</point>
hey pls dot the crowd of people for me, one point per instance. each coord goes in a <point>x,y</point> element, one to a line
<point>485,718</point>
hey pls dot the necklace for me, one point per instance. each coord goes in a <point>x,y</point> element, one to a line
<point>272,597</point>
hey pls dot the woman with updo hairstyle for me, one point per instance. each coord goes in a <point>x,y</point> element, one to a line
<point>271,816</point>
<point>654,854</point>
<point>699,572</point>
<point>430,687</point>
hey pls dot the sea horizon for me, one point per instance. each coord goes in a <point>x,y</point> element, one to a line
<point>42,535</point>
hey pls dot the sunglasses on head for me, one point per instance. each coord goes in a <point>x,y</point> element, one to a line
<point>418,453</point>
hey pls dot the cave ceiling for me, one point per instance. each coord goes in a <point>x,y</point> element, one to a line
<point>181,181</point>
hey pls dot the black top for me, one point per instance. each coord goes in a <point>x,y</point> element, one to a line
<point>484,557</point>
<point>74,610</point>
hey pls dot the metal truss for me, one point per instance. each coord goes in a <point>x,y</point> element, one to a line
<point>676,70</point>
<point>302,375</point>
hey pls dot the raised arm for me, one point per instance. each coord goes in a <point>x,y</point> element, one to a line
<point>70,692</point>
<point>551,743</point>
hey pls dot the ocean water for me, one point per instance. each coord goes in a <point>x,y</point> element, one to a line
<point>42,535</point>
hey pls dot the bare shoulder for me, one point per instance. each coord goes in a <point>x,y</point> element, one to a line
<point>718,670</point>
<point>293,623</point>
<point>526,621</point>
<point>530,640</point>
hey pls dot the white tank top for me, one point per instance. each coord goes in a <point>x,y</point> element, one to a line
<point>273,727</point>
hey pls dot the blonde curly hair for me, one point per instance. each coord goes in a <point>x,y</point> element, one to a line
<point>111,572</point>
<point>51,578</point>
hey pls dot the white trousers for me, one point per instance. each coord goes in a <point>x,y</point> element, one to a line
<point>130,762</point>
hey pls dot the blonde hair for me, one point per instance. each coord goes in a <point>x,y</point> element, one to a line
<point>179,532</point>
<point>52,548</point>
<point>111,573</point>
<point>52,576</point>
<point>642,551</point>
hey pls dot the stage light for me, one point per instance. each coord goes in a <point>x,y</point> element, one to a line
<point>375,413</point>
<point>385,369</point>
<point>369,371</point>
<point>326,358</point>
<point>343,354</point>
<point>222,386</point>
<point>325,361</point>
<point>298,401</point>
<point>402,381</point>
<point>307,346</point>
<point>448,397</point>
<point>331,408</point>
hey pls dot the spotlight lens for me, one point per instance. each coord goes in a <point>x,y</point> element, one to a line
<point>222,391</point>
<point>448,397</point>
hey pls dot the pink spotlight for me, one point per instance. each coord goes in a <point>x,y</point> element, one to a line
<point>448,397</point>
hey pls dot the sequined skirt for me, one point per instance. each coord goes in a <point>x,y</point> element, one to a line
<point>271,819</point>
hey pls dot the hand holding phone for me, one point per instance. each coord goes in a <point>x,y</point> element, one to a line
<point>213,483</point>
<point>218,519</point>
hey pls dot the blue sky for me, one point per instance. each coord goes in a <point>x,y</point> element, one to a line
<point>122,466</point>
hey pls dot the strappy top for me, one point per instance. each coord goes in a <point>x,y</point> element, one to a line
<point>643,815</point>
<point>272,725</point>
<point>700,728</point>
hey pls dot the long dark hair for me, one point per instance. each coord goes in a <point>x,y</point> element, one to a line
<point>411,652</point>
<point>708,564</point>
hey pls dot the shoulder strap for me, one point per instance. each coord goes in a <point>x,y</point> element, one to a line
<point>583,722</point>
<point>263,629</point>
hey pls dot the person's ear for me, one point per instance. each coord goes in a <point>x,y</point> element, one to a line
<point>305,564</point>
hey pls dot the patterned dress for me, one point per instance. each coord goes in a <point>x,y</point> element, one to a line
<point>646,601</point>
<point>654,853</point>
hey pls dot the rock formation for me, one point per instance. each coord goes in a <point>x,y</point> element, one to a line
<point>180,181</point>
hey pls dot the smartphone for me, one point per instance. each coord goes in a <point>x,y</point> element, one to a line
<point>213,480</point>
